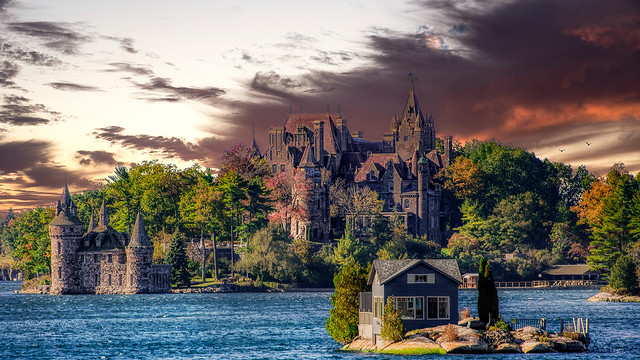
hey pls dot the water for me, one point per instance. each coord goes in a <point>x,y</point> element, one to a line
<point>255,325</point>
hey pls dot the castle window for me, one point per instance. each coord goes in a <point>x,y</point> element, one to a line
<point>281,167</point>
<point>59,247</point>
<point>131,279</point>
<point>390,186</point>
<point>274,168</point>
<point>109,258</point>
<point>433,221</point>
<point>109,279</point>
<point>120,279</point>
<point>97,278</point>
<point>406,203</point>
<point>59,272</point>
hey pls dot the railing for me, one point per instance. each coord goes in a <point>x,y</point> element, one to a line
<point>539,284</point>
<point>365,318</point>
<point>520,323</point>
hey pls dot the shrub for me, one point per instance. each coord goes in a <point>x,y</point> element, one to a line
<point>450,333</point>
<point>392,326</point>
<point>502,325</point>
<point>623,278</point>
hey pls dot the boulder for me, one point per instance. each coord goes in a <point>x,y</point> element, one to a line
<point>469,344</point>
<point>508,348</point>
<point>360,345</point>
<point>534,346</point>
<point>528,333</point>
<point>565,344</point>
<point>413,342</point>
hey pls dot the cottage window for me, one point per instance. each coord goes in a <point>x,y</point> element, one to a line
<point>410,307</point>
<point>421,278</point>
<point>438,307</point>
<point>378,307</point>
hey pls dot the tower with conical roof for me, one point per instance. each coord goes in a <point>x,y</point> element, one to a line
<point>139,257</point>
<point>412,131</point>
<point>65,231</point>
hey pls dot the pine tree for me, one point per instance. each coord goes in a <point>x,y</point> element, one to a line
<point>342,323</point>
<point>392,325</point>
<point>488,306</point>
<point>177,256</point>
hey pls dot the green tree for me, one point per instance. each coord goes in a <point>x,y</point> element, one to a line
<point>31,241</point>
<point>392,325</point>
<point>269,255</point>
<point>624,276</point>
<point>488,307</point>
<point>348,249</point>
<point>342,323</point>
<point>177,256</point>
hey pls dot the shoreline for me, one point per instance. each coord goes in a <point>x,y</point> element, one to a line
<point>609,297</point>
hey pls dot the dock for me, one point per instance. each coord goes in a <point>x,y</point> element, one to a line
<point>542,285</point>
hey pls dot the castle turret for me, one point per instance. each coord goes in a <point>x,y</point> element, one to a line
<point>65,231</point>
<point>423,196</point>
<point>139,258</point>
<point>318,129</point>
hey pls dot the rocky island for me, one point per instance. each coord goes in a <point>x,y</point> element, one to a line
<point>459,339</point>
<point>611,297</point>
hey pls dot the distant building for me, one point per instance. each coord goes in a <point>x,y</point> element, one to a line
<point>469,280</point>
<point>399,168</point>
<point>571,272</point>
<point>102,261</point>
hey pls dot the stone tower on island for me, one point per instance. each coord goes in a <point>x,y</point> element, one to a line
<point>103,260</point>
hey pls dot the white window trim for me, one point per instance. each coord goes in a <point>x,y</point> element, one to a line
<point>440,298</point>
<point>413,278</point>
<point>414,306</point>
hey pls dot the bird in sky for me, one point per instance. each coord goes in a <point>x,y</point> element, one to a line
<point>561,150</point>
<point>588,143</point>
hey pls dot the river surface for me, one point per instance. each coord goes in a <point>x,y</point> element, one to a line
<point>257,325</point>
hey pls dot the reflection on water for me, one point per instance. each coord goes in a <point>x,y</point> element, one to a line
<point>253,325</point>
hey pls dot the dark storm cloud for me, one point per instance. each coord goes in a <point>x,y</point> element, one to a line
<point>166,147</point>
<point>21,155</point>
<point>13,52</point>
<point>57,36</point>
<point>168,92</point>
<point>67,86</point>
<point>491,70</point>
<point>19,111</point>
<point>3,5</point>
<point>98,157</point>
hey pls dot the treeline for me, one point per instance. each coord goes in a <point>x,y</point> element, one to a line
<point>497,200</point>
<point>504,200</point>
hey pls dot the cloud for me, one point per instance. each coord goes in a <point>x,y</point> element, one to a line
<point>19,111</point>
<point>160,89</point>
<point>487,70</point>
<point>166,147</point>
<point>56,36</point>
<point>129,68</point>
<point>67,86</point>
<point>21,155</point>
<point>10,51</point>
<point>8,71</point>
<point>99,157</point>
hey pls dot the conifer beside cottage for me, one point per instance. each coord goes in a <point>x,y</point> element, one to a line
<point>102,261</point>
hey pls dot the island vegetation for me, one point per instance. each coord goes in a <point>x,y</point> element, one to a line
<point>498,199</point>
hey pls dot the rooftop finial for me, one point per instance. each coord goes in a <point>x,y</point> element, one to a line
<point>412,77</point>
<point>339,113</point>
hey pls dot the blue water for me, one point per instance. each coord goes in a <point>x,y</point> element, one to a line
<point>255,325</point>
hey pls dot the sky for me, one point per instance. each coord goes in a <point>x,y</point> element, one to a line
<point>86,86</point>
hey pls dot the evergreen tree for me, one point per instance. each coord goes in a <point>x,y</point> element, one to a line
<point>177,256</point>
<point>342,323</point>
<point>488,307</point>
<point>624,278</point>
<point>392,325</point>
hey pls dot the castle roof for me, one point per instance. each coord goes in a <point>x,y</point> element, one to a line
<point>103,237</point>
<point>308,159</point>
<point>139,236</point>
<point>66,210</point>
<point>376,163</point>
<point>330,130</point>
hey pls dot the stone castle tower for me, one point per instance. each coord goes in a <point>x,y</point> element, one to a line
<point>66,233</point>
<point>103,260</point>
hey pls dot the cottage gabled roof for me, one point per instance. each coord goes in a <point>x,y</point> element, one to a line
<point>390,269</point>
<point>568,270</point>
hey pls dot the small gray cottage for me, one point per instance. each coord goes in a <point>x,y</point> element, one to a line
<point>425,290</point>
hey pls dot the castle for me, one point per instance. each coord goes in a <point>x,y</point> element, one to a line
<point>102,261</point>
<point>400,168</point>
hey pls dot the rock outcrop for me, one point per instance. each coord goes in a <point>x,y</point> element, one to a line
<point>458,339</point>
<point>609,297</point>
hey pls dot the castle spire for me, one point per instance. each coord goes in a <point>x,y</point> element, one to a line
<point>92,222</point>
<point>104,215</point>
<point>139,236</point>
